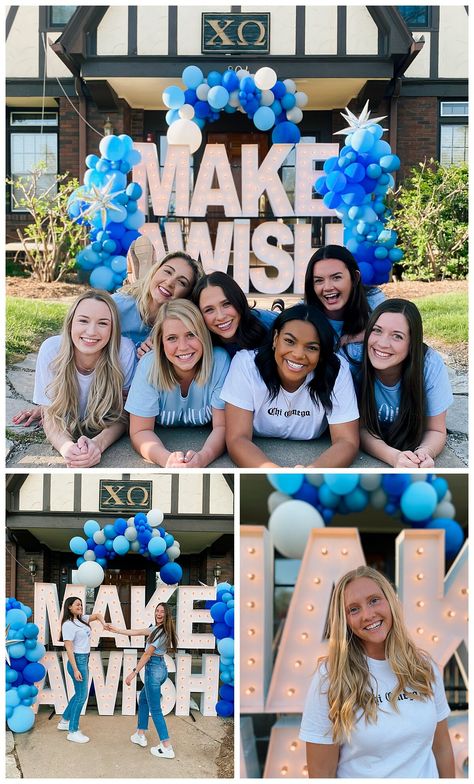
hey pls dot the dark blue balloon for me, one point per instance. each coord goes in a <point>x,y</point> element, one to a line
<point>162,559</point>
<point>308,493</point>
<point>224,708</point>
<point>190,96</point>
<point>34,672</point>
<point>221,630</point>
<point>120,525</point>
<point>278,89</point>
<point>226,692</point>
<point>395,484</point>
<point>101,551</point>
<point>171,573</point>
<point>454,535</point>
<point>202,109</point>
<point>218,611</point>
<point>19,664</point>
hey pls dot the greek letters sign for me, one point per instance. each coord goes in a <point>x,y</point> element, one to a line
<point>125,495</point>
<point>235,33</point>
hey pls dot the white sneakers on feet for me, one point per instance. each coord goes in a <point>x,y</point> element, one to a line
<point>140,740</point>
<point>163,751</point>
<point>63,725</point>
<point>78,737</point>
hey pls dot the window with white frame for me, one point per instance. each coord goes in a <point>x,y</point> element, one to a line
<point>454,132</point>
<point>32,141</point>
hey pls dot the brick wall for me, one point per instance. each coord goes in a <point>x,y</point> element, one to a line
<point>417,136</point>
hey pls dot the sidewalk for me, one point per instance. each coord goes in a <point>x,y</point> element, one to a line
<point>20,382</point>
<point>204,749</point>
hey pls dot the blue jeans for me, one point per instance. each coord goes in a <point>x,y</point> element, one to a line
<point>81,691</point>
<point>150,697</point>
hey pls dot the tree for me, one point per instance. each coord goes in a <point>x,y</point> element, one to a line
<point>430,214</point>
<point>52,240</point>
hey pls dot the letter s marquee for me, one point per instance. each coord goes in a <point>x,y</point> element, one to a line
<point>235,32</point>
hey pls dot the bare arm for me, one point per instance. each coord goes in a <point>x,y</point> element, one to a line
<point>433,441</point>
<point>146,656</point>
<point>238,434</point>
<point>443,751</point>
<point>130,632</point>
<point>322,760</point>
<point>395,457</point>
<point>72,659</point>
<point>214,444</point>
<point>344,446</point>
<point>146,442</point>
<point>109,435</point>
<point>97,617</point>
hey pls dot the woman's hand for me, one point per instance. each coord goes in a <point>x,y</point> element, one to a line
<point>77,675</point>
<point>144,348</point>
<point>426,459</point>
<point>29,416</point>
<point>175,460</point>
<point>407,459</point>
<point>129,678</point>
<point>84,454</point>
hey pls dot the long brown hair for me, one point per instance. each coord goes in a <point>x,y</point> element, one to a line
<point>69,616</point>
<point>167,626</point>
<point>406,431</point>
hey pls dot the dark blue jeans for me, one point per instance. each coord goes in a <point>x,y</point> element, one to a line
<point>81,690</point>
<point>150,697</point>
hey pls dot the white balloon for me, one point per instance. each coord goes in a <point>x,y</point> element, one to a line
<point>186,112</point>
<point>131,522</point>
<point>172,552</point>
<point>301,99</point>
<point>445,509</point>
<point>275,499</point>
<point>99,537</point>
<point>378,498</point>
<point>290,86</point>
<point>234,99</point>
<point>418,477</point>
<point>202,91</point>
<point>135,546</point>
<point>294,115</point>
<point>315,479</point>
<point>267,98</point>
<point>130,534</point>
<point>185,132</point>
<point>370,482</point>
<point>75,578</point>
<point>290,525</point>
<point>89,555</point>
<point>155,517</point>
<point>448,496</point>
<point>265,78</point>
<point>241,74</point>
<point>90,574</point>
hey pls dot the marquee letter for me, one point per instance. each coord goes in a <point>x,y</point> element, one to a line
<point>176,170</point>
<point>256,181</point>
<point>206,682</point>
<point>107,597</point>
<point>215,163</point>
<point>47,614</point>
<point>273,256</point>
<point>187,615</point>
<point>305,177</point>
<point>143,615</point>
<point>199,245</point>
<point>56,694</point>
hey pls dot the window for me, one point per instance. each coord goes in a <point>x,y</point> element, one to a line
<point>59,15</point>
<point>454,136</point>
<point>416,16</point>
<point>454,108</point>
<point>28,147</point>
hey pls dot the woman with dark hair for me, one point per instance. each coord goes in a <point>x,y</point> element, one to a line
<point>76,634</point>
<point>292,387</point>
<point>233,324</point>
<point>333,284</point>
<point>405,390</point>
<point>161,638</point>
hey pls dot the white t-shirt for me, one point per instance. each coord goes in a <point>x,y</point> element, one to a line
<point>399,745</point>
<point>292,414</point>
<point>79,634</point>
<point>44,375</point>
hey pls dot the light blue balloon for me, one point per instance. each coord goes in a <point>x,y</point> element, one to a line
<point>133,157</point>
<point>121,545</point>
<point>102,278</point>
<point>135,220</point>
<point>16,618</point>
<point>90,528</point>
<point>264,118</point>
<point>217,97</point>
<point>226,647</point>
<point>16,651</point>
<point>192,76</point>
<point>112,148</point>
<point>78,545</point>
<point>419,500</point>
<point>286,483</point>
<point>22,719</point>
<point>119,264</point>
<point>173,97</point>
<point>156,546</point>
<point>36,653</point>
<point>341,484</point>
<point>118,215</point>
<point>118,179</point>
<point>171,116</point>
<point>12,698</point>
<point>357,500</point>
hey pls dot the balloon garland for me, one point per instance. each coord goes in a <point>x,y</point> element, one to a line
<point>355,184</point>
<point>222,612</point>
<point>109,206</point>
<point>143,534</point>
<point>266,100</point>
<point>311,501</point>
<point>23,668</point>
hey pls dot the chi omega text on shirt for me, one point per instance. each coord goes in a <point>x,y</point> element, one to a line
<point>293,412</point>
<point>402,696</point>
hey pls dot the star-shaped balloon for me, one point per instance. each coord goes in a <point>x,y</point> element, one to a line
<point>363,121</point>
<point>9,642</point>
<point>100,200</point>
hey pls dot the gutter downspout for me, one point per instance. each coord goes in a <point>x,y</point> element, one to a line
<point>82,127</point>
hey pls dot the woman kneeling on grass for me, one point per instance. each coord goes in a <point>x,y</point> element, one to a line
<point>405,390</point>
<point>80,380</point>
<point>292,387</point>
<point>178,383</point>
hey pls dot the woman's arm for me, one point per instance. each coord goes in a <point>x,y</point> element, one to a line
<point>395,457</point>
<point>322,760</point>
<point>433,441</point>
<point>443,751</point>
<point>238,434</point>
<point>109,435</point>
<point>140,665</point>
<point>97,617</point>
<point>213,446</point>
<point>344,446</point>
<point>131,632</point>
<point>60,439</point>
<point>146,442</point>
<point>72,659</point>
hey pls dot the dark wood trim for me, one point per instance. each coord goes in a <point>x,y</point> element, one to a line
<point>10,19</point>
<point>46,492</point>
<point>341,30</point>
<point>230,481</point>
<point>77,494</point>
<point>132,30</point>
<point>300,30</point>
<point>397,37</point>
<point>174,494</point>
<point>236,9</point>
<point>172,30</point>
<point>206,493</point>
<point>434,43</point>
<point>223,524</point>
<point>442,88</point>
<point>42,27</point>
<point>32,88</point>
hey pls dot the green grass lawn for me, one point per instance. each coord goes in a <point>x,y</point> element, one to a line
<point>445,317</point>
<point>29,322</point>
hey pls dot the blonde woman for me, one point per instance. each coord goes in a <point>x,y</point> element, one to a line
<point>376,707</point>
<point>138,303</point>
<point>80,380</point>
<point>178,383</point>
<point>161,639</point>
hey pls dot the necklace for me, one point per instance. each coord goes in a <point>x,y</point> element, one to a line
<point>286,399</point>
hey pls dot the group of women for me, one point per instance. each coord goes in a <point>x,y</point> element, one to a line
<point>180,348</point>
<point>160,640</point>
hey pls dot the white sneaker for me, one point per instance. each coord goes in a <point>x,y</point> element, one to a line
<point>163,751</point>
<point>63,725</point>
<point>78,737</point>
<point>140,740</point>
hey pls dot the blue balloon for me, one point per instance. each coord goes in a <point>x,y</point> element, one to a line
<point>220,630</point>
<point>120,525</point>
<point>133,157</point>
<point>11,675</point>
<point>341,484</point>
<point>173,97</point>
<point>217,97</point>
<point>214,78</point>
<point>16,618</point>
<point>36,653</point>
<point>419,501</point>
<point>192,76</point>
<point>230,81</point>
<point>128,237</point>
<point>224,708</point>
<point>163,559</point>
<point>286,133</point>
<point>357,500</point>
<point>34,672</point>
<point>264,118</point>
<point>229,618</point>
<point>90,527</point>
<point>454,535</point>
<point>226,693</point>
<point>171,116</point>
<point>121,545</point>
<point>109,531</point>
<point>395,484</point>
<point>226,647</point>
<point>134,190</point>
<point>22,719</point>
<point>156,546</point>
<point>135,220</point>
<point>102,278</point>
<point>171,573</point>
<point>112,148</point>
<point>286,483</point>
<point>218,611</point>
<point>278,89</point>
<point>190,97</point>
<point>288,101</point>
<point>119,264</point>
<point>441,487</point>
<point>16,651</point>
<point>201,109</point>
<point>91,161</point>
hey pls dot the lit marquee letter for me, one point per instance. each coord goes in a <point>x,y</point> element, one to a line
<point>56,694</point>
<point>273,256</point>
<point>199,245</point>
<point>106,688</point>
<point>206,682</point>
<point>107,597</point>
<point>143,615</point>
<point>175,172</point>
<point>215,164</point>
<point>47,613</point>
<point>187,615</point>
<point>256,181</point>
<point>306,176</point>
<point>329,554</point>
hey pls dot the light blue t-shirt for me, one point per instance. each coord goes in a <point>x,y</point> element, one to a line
<point>171,409</point>
<point>374,297</point>
<point>131,323</point>
<point>353,352</point>
<point>438,392</point>
<point>159,643</point>
<point>266,317</point>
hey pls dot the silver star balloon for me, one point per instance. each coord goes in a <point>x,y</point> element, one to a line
<point>9,642</point>
<point>363,121</point>
<point>100,200</point>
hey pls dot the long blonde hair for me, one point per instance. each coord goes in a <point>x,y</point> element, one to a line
<point>349,685</point>
<point>105,400</point>
<point>163,374</point>
<point>140,289</point>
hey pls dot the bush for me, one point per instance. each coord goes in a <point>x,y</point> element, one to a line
<point>430,214</point>
<point>52,240</point>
